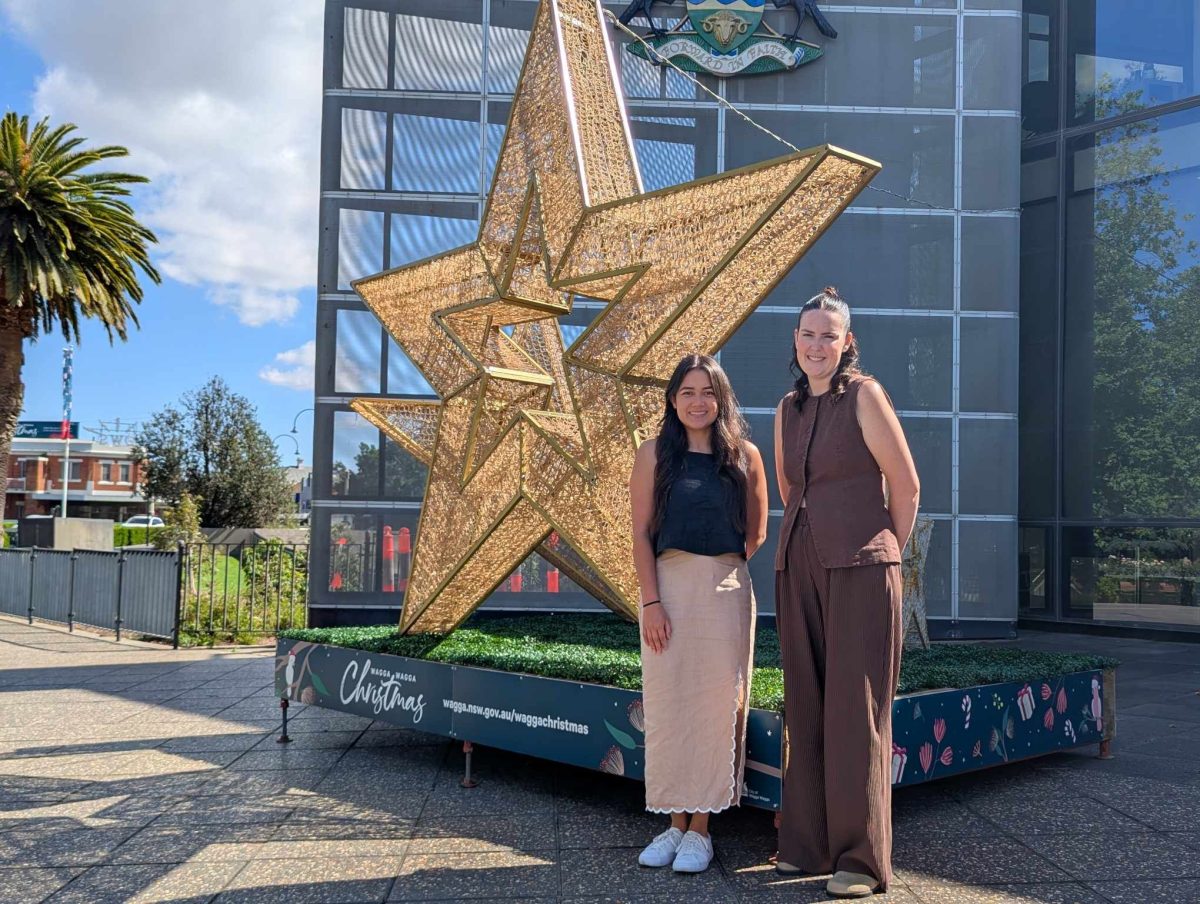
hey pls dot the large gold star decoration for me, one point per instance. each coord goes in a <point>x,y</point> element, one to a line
<point>530,438</point>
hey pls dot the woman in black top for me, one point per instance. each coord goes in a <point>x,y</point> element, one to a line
<point>699,497</point>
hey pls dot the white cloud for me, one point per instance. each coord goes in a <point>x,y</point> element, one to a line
<point>297,368</point>
<point>220,104</point>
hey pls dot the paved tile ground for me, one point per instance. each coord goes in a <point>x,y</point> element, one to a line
<point>133,773</point>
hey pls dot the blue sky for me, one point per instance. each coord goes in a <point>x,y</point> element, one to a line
<point>237,297</point>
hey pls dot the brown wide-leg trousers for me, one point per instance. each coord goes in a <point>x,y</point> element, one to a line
<point>840,638</point>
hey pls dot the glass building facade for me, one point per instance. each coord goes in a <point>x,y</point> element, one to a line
<point>1110,313</point>
<point>416,97</point>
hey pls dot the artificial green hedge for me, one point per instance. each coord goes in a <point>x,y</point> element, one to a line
<point>604,649</point>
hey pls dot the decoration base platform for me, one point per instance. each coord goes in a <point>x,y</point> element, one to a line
<point>566,688</point>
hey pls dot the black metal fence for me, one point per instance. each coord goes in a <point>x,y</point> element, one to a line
<point>135,590</point>
<point>228,589</point>
<point>208,591</point>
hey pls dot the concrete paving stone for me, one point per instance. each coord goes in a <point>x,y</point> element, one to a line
<point>488,798</point>
<point>284,756</point>
<point>460,877</point>
<point>264,782</point>
<point>177,783</point>
<point>1188,710</point>
<point>1108,856</point>
<point>1034,815</point>
<point>977,861</point>
<point>1183,745</point>
<point>148,883</point>
<point>334,849</point>
<point>1043,893</point>
<point>35,845</point>
<point>226,811</point>
<point>436,834</point>
<point>948,817</point>
<point>606,830</point>
<point>98,809</point>
<point>360,805</point>
<point>88,766</point>
<point>183,844</point>
<point>355,879</point>
<point>1168,812</point>
<point>21,886</point>
<point>749,868</point>
<point>396,781</point>
<point>343,830</point>
<point>398,737</point>
<point>1157,891</point>
<point>1189,839</point>
<point>616,871</point>
<point>311,740</point>
<point>240,742</point>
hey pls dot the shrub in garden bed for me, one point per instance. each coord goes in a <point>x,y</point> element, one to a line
<point>603,649</point>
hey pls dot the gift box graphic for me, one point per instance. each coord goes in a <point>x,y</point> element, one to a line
<point>1025,702</point>
<point>899,758</point>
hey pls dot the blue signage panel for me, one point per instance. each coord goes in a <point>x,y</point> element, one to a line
<point>44,430</point>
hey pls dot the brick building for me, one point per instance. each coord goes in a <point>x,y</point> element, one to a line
<point>103,481</point>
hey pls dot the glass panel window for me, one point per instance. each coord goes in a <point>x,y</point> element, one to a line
<point>917,151</point>
<point>909,62</point>
<point>403,378</point>
<point>987,578</point>
<point>125,469</point>
<point>1039,86</point>
<point>1038,330</point>
<point>672,149</point>
<point>106,472</point>
<point>364,54</point>
<point>1137,576</point>
<point>403,476</point>
<point>364,134</point>
<point>1131,434</point>
<point>415,237</point>
<point>912,263</point>
<point>1034,578</point>
<point>443,53</point>
<point>353,552</point>
<point>355,456</point>
<point>356,363</point>
<point>75,469</point>
<point>437,153</point>
<point>360,245</point>
<point>1127,55</point>
<point>396,549</point>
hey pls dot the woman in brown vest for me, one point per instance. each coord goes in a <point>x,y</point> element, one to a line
<point>838,598</point>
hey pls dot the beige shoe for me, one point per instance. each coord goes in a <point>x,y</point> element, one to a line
<point>788,869</point>
<point>851,885</point>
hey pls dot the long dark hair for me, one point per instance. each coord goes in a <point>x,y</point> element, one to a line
<point>729,432</point>
<point>828,299</point>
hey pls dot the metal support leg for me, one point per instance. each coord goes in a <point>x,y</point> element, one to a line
<point>1106,749</point>
<point>283,708</point>
<point>467,781</point>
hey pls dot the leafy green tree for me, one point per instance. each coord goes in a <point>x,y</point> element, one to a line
<point>181,524</point>
<point>70,248</point>
<point>212,446</point>
<point>1144,375</point>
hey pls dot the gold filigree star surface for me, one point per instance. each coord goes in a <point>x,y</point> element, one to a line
<point>529,437</point>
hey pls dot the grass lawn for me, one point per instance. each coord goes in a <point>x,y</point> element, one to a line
<point>604,649</point>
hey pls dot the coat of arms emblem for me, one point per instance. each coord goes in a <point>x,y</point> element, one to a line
<point>727,37</point>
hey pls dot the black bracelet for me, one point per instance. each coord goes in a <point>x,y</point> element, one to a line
<point>651,603</point>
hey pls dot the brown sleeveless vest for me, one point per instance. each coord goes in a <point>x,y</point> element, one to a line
<point>827,462</point>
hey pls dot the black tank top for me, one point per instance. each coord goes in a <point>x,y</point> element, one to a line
<point>698,518</point>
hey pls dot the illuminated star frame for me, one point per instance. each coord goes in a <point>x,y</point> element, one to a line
<point>530,438</point>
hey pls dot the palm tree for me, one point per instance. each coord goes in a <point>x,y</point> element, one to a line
<point>70,247</point>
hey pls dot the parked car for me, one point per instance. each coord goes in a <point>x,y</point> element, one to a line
<point>143,521</point>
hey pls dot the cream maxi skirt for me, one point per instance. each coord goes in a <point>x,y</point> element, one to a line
<point>695,692</point>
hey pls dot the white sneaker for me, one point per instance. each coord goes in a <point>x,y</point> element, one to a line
<point>695,853</point>
<point>661,851</point>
